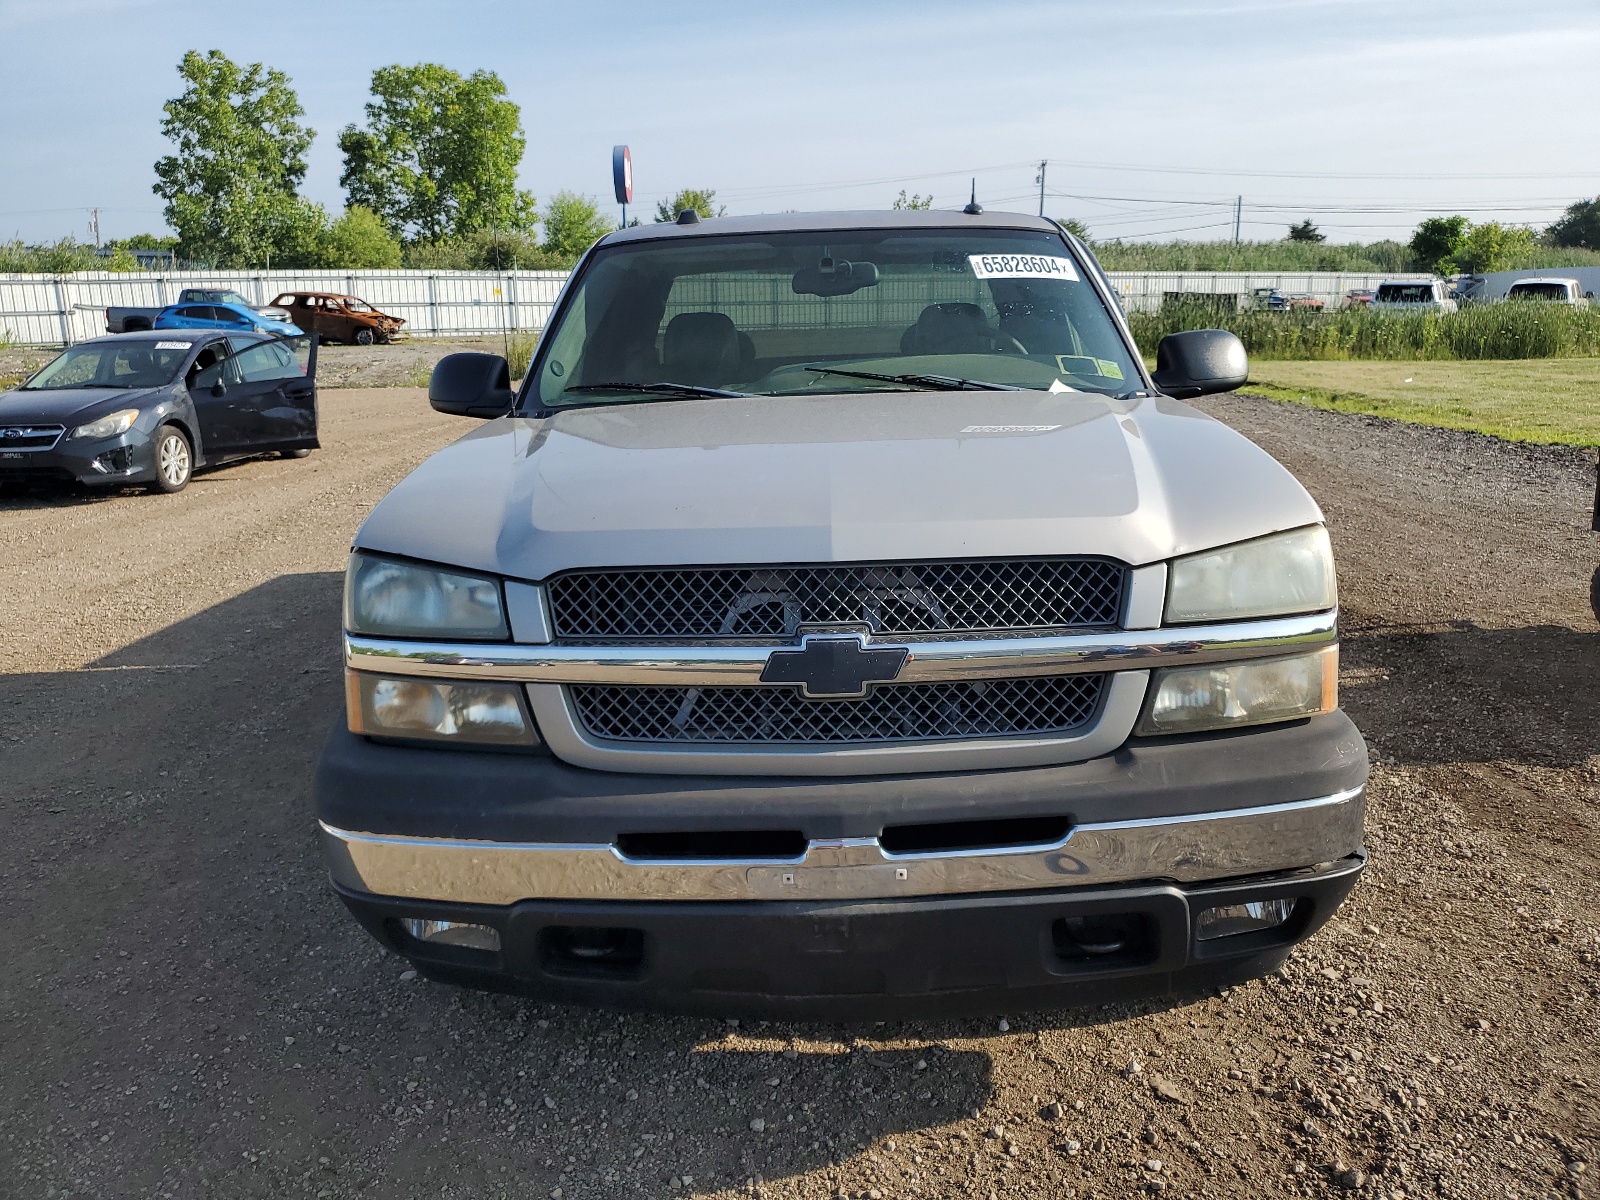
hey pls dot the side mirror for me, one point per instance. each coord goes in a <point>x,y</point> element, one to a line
<point>1199,362</point>
<point>219,388</point>
<point>471,385</point>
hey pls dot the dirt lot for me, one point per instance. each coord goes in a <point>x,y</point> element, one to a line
<point>187,1012</point>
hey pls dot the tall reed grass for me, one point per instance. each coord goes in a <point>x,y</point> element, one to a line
<point>1476,332</point>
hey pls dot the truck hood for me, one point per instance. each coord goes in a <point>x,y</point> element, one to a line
<point>885,475</point>
<point>67,406</point>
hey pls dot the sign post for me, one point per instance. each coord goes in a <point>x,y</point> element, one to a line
<point>622,178</point>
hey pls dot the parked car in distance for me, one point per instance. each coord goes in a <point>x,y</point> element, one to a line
<point>1273,300</point>
<point>153,407</point>
<point>223,316</point>
<point>1413,297</point>
<point>132,320</point>
<point>1549,291</point>
<point>904,647</point>
<point>1357,298</point>
<point>337,318</point>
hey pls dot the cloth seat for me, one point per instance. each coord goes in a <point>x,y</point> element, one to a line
<point>700,348</point>
<point>951,328</point>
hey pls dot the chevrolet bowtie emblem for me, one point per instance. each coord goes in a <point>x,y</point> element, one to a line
<point>834,666</point>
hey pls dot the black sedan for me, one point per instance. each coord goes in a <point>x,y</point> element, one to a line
<point>154,407</point>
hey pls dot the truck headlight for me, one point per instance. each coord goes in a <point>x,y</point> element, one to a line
<point>1193,699</point>
<point>109,425</point>
<point>1267,577</point>
<point>386,598</point>
<point>431,710</point>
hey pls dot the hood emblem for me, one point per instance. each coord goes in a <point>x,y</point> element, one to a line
<point>11,433</point>
<point>834,666</point>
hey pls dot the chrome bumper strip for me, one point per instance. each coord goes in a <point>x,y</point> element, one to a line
<point>929,662</point>
<point>1185,849</point>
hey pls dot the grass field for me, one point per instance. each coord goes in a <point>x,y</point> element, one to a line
<point>1525,400</point>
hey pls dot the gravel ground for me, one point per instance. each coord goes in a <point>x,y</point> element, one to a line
<point>187,1011</point>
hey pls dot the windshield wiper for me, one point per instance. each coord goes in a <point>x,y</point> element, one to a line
<point>939,383</point>
<point>687,390</point>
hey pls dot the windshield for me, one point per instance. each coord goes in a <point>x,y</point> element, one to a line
<point>1405,293</point>
<point>113,365</point>
<point>193,295</point>
<point>764,314</point>
<point>1538,291</point>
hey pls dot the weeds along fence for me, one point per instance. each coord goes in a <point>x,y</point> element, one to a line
<point>1476,332</point>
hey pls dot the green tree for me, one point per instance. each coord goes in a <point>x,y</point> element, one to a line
<point>572,223</point>
<point>702,200</point>
<point>1578,228</point>
<point>1437,241</point>
<point>230,187</point>
<point>912,202</point>
<point>360,239</point>
<point>1076,228</point>
<point>1493,247</point>
<point>439,155</point>
<point>1305,231</point>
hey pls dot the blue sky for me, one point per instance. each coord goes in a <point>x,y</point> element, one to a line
<point>1364,115</point>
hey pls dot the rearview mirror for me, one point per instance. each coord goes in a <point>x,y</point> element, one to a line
<point>833,277</point>
<point>471,385</point>
<point>1199,362</point>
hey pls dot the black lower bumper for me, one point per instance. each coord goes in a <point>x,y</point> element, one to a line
<point>937,956</point>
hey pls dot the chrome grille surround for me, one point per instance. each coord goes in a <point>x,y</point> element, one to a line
<point>889,599</point>
<point>29,438</point>
<point>906,712</point>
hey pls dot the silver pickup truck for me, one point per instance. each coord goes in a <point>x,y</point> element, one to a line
<point>840,620</point>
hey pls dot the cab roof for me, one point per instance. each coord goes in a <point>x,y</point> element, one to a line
<point>826,222</point>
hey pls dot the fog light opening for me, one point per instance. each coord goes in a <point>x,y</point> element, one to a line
<point>1228,920</point>
<point>452,933</point>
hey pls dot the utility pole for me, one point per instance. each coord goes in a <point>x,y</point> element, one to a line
<point>1043,163</point>
<point>1238,218</point>
<point>94,226</point>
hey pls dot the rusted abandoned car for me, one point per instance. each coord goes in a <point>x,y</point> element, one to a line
<point>339,318</point>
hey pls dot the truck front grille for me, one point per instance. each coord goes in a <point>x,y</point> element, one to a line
<point>896,712</point>
<point>978,597</point>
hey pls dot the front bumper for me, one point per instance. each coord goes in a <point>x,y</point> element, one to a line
<point>125,459</point>
<point>848,921</point>
<point>864,960</point>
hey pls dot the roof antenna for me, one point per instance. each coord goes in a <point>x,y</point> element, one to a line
<point>973,208</point>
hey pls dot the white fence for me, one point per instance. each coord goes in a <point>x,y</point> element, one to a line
<point>55,310</point>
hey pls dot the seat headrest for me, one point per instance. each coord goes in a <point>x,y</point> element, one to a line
<point>951,328</point>
<point>701,348</point>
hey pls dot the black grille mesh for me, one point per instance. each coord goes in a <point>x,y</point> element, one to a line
<point>888,598</point>
<point>890,712</point>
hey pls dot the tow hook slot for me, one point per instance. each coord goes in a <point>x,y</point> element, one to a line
<point>592,951</point>
<point>1105,940</point>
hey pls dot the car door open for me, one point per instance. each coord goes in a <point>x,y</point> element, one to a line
<point>270,395</point>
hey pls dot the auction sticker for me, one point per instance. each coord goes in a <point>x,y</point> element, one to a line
<point>1022,266</point>
<point>173,345</point>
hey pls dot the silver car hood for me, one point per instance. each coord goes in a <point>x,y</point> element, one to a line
<point>884,475</point>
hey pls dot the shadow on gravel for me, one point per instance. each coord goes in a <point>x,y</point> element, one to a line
<point>189,1012</point>
<point>1529,695</point>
